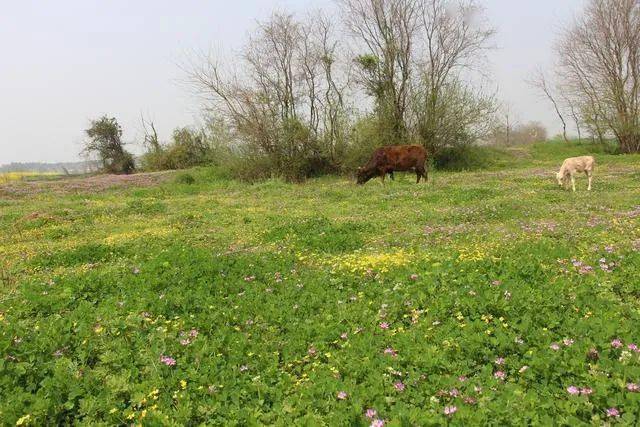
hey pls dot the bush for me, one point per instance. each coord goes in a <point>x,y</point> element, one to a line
<point>251,168</point>
<point>185,178</point>
<point>365,138</point>
<point>189,148</point>
<point>469,157</point>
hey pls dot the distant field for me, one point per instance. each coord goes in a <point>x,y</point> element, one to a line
<point>6,177</point>
<point>479,298</point>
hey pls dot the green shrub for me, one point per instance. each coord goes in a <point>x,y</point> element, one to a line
<point>185,178</point>
<point>188,148</point>
<point>468,157</point>
<point>366,137</point>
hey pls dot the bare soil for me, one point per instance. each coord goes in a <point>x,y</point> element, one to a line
<point>83,184</point>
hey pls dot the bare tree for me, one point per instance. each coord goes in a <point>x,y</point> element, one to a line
<point>570,105</point>
<point>334,116</point>
<point>539,81</point>
<point>387,30</point>
<point>600,63</point>
<point>508,123</point>
<point>455,40</point>
<point>287,101</point>
<point>151,140</point>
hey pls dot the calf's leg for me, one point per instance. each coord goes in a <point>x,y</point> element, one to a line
<point>589,175</point>
<point>573,183</point>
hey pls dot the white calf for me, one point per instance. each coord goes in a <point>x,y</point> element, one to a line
<point>574,165</point>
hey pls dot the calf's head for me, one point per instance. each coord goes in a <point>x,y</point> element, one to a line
<point>562,178</point>
<point>559,177</point>
<point>364,174</point>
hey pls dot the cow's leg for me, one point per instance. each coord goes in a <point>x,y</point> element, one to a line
<point>420,172</point>
<point>573,183</point>
<point>589,175</point>
<point>391,176</point>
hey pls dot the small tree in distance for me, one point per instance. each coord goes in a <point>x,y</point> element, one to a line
<point>105,142</point>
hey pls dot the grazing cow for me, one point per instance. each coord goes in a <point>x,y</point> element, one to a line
<point>574,165</point>
<point>386,160</point>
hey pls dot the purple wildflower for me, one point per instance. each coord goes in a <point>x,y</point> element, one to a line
<point>499,361</point>
<point>342,395</point>
<point>633,387</point>
<point>371,413</point>
<point>377,423</point>
<point>500,375</point>
<point>613,412</point>
<point>450,410</point>
<point>399,386</point>
<point>554,346</point>
<point>390,351</point>
<point>384,325</point>
<point>573,390</point>
<point>616,343</point>
<point>169,361</point>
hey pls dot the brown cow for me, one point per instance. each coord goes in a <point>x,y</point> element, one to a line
<point>386,160</point>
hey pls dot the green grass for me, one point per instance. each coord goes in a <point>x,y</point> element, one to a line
<point>287,287</point>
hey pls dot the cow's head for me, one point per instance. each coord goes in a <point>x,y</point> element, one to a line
<point>562,179</point>
<point>363,175</point>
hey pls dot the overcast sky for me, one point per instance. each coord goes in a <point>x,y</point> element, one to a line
<point>67,61</point>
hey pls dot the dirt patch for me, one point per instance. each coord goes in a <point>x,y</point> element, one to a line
<point>92,184</point>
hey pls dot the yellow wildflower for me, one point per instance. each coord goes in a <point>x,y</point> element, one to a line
<point>23,420</point>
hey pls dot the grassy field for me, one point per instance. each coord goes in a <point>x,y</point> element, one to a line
<point>488,297</point>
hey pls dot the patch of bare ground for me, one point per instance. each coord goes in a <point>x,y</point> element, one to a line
<point>80,185</point>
